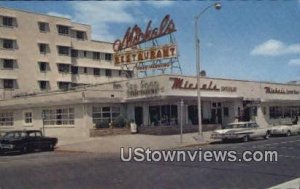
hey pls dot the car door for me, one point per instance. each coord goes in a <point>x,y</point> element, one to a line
<point>33,141</point>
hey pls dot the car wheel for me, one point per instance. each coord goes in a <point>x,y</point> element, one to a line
<point>24,149</point>
<point>245,138</point>
<point>288,133</point>
<point>51,147</point>
<point>267,136</point>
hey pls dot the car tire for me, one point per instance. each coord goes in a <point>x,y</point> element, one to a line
<point>267,136</point>
<point>288,133</point>
<point>51,147</point>
<point>245,138</point>
<point>25,149</point>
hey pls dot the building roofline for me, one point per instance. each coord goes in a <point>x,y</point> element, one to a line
<point>98,41</point>
<point>31,12</point>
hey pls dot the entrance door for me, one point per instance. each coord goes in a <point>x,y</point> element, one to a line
<point>138,115</point>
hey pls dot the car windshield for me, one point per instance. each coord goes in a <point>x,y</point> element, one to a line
<point>236,125</point>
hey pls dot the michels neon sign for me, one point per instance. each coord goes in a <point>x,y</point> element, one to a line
<point>135,36</point>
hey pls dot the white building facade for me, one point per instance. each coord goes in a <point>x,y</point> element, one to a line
<point>44,53</point>
<point>154,104</point>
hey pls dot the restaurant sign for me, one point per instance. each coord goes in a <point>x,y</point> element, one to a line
<point>154,53</point>
<point>179,83</point>
<point>135,36</point>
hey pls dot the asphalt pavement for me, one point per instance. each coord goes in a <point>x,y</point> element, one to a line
<point>96,171</point>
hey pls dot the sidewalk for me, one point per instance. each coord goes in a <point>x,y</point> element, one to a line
<point>112,144</point>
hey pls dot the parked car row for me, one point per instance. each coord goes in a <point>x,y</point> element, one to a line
<point>25,141</point>
<point>245,131</point>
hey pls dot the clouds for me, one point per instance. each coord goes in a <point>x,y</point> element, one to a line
<point>294,62</point>
<point>274,47</point>
<point>102,14</point>
<point>59,15</point>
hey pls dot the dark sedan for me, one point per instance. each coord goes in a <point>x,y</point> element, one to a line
<point>26,141</point>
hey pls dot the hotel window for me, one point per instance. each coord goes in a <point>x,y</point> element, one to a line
<point>63,50</point>
<point>85,70</point>
<point>44,85</point>
<point>43,66</point>
<point>59,116</point>
<point>8,43</point>
<point>96,55</point>
<point>6,119</point>
<point>8,63</point>
<point>44,27</point>
<point>96,71</point>
<point>108,73</point>
<point>80,35</point>
<point>85,54</point>
<point>74,53</point>
<point>102,116</point>
<point>64,68</point>
<point>64,85</point>
<point>74,70</point>
<point>163,115</point>
<point>108,56</point>
<point>44,48</point>
<point>28,118</point>
<point>8,21</point>
<point>8,83</point>
<point>63,30</point>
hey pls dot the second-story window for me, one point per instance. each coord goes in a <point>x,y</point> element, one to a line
<point>8,43</point>
<point>43,66</point>
<point>80,35</point>
<point>44,48</point>
<point>64,68</point>
<point>96,55</point>
<point>63,30</point>
<point>63,50</point>
<point>44,85</point>
<point>8,83</point>
<point>74,53</point>
<point>8,63</point>
<point>44,27</point>
<point>74,70</point>
<point>108,56</point>
<point>96,71</point>
<point>8,21</point>
<point>108,73</point>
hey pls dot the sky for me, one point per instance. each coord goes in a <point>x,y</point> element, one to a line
<point>248,40</point>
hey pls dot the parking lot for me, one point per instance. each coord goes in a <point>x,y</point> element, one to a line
<point>94,170</point>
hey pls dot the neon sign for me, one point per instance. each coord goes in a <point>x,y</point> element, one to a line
<point>135,36</point>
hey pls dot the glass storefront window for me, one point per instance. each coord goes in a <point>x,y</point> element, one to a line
<point>163,115</point>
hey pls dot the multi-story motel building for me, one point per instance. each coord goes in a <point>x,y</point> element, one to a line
<point>41,53</point>
<point>45,53</point>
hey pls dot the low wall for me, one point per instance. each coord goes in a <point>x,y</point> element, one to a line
<point>108,131</point>
<point>170,130</point>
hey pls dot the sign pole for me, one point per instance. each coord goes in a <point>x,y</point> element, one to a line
<point>181,121</point>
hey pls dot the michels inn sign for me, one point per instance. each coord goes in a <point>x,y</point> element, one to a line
<point>135,36</point>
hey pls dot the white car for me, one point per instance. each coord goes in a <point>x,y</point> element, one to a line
<point>286,130</point>
<point>241,130</point>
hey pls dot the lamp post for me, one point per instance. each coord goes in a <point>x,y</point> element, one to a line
<point>217,6</point>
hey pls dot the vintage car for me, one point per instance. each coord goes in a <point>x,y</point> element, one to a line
<point>26,141</point>
<point>241,131</point>
<point>286,130</point>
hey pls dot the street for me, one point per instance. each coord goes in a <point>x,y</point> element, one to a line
<point>91,170</point>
